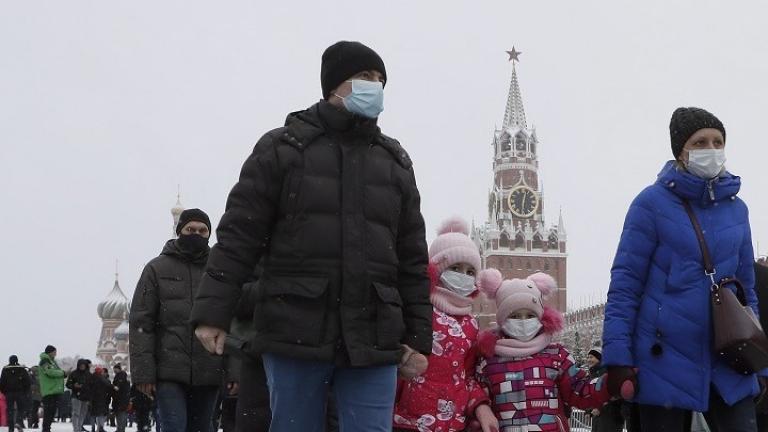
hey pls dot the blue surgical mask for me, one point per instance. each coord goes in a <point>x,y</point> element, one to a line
<point>366,99</point>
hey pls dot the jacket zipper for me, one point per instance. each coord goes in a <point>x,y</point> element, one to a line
<point>192,333</point>
<point>711,190</point>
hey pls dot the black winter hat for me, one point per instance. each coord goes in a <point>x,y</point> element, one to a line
<point>49,349</point>
<point>191,215</point>
<point>344,59</point>
<point>13,360</point>
<point>597,352</point>
<point>686,121</point>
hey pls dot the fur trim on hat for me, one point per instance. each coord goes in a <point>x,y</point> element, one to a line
<point>552,320</point>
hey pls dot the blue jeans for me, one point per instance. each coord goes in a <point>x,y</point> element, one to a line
<point>186,408</point>
<point>298,391</point>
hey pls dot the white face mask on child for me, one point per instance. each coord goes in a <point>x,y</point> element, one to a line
<point>522,329</point>
<point>460,283</point>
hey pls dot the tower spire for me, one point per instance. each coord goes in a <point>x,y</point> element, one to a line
<point>176,212</point>
<point>514,115</point>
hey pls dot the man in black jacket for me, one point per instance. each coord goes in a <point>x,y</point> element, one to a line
<point>331,205</point>
<point>79,381</point>
<point>15,384</point>
<point>167,361</point>
<point>121,398</point>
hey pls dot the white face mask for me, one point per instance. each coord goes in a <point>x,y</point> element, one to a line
<point>706,163</point>
<point>522,329</point>
<point>460,283</point>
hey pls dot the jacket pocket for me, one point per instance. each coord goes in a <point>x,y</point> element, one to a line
<point>294,309</point>
<point>389,317</point>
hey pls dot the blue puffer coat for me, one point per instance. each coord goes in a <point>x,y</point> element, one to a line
<point>658,316</point>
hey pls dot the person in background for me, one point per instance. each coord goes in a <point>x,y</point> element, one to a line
<point>15,384</point>
<point>122,397</point>
<point>142,406</point>
<point>167,361</point>
<point>607,418</point>
<point>64,406</point>
<point>79,381</point>
<point>51,379</point>
<point>101,394</point>
<point>35,399</point>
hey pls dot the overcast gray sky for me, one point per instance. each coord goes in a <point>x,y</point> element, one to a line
<point>106,106</point>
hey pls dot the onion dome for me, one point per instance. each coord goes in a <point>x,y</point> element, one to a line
<point>115,306</point>
<point>121,332</point>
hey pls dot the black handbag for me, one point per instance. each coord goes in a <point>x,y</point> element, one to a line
<point>738,337</point>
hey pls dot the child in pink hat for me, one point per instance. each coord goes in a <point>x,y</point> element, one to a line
<point>530,377</point>
<point>445,396</point>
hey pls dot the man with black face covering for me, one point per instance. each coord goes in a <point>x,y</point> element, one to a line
<point>167,361</point>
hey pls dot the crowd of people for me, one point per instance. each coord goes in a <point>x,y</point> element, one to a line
<point>322,308</point>
<point>86,396</point>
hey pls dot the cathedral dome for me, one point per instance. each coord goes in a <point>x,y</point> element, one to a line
<point>115,306</point>
<point>121,332</point>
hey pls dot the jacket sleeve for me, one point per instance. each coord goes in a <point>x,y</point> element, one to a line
<point>26,382</point>
<point>242,236</point>
<point>577,389</point>
<point>50,371</point>
<point>628,277</point>
<point>143,327</point>
<point>413,280</point>
<point>477,393</point>
<point>745,273</point>
<point>3,380</point>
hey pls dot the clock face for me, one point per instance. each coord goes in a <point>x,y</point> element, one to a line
<point>523,201</point>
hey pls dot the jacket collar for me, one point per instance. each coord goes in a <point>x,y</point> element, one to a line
<point>172,249</point>
<point>325,118</point>
<point>692,188</point>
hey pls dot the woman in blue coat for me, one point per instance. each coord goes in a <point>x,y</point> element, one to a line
<point>658,318</point>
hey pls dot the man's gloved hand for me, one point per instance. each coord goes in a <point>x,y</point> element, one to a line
<point>622,381</point>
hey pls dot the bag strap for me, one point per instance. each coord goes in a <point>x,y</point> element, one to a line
<point>706,257</point>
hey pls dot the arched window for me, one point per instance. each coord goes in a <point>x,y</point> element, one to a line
<point>538,242</point>
<point>519,241</point>
<point>504,240</point>
<point>553,242</point>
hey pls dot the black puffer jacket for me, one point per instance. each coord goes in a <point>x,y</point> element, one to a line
<point>101,393</point>
<point>80,381</point>
<point>332,206</point>
<point>122,396</point>
<point>14,379</point>
<point>163,346</point>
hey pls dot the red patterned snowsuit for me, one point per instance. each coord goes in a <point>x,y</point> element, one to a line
<point>529,393</point>
<point>442,398</point>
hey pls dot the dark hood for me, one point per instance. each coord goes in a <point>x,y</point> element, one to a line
<point>172,249</point>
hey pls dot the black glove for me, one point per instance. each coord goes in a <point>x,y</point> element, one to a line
<point>622,381</point>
